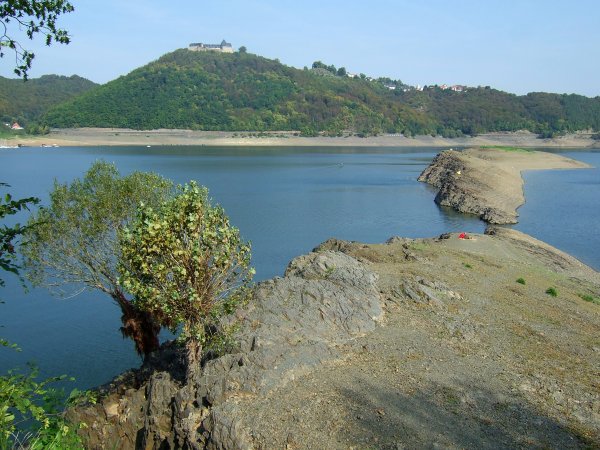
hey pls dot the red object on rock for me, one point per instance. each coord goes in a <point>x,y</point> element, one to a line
<point>462,235</point>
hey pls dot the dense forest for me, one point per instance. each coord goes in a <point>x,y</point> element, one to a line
<point>25,102</point>
<point>246,92</point>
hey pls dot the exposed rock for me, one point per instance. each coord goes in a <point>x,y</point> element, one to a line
<point>487,182</point>
<point>293,324</point>
<point>464,358</point>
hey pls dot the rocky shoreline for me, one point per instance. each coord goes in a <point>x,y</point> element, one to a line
<point>415,343</point>
<point>487,182</point>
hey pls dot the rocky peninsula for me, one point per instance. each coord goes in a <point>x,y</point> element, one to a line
<point>488,342</point>
<point>487,181</point>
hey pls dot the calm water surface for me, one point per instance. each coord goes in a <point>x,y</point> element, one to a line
<point>286,201</point>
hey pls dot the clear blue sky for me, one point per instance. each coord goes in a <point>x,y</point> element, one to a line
<point>515,45</point>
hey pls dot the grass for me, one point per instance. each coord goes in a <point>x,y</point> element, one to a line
<point>552,292</point>
<point>467,265</point>
<point>508,148</point>
<point>590,299</point>
<point>521,280</point>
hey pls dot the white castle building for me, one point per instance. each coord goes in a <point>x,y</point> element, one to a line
<point>224,47</point>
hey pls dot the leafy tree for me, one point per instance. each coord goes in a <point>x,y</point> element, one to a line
<point>187,266</point>
<point>22,398</point>
<point>74,240</point>
<point>8,235</point>
<point>243,49</point>
<point>34,17</point>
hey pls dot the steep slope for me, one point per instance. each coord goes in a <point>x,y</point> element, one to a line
<point>245,92</point>
<point>240,91</point>
<point>26,101</point>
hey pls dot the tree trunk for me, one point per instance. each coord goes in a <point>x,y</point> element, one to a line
<point>138,325</point>
<point>194,355</point>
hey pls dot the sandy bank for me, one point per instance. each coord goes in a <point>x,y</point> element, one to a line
<point>118,137</point>
<point>488,182</point>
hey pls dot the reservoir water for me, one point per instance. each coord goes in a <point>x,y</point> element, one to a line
<point>286,201</point>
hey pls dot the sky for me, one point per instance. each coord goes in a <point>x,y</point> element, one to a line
<point>518,46</point>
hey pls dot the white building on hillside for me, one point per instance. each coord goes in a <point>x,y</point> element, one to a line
<point>223,47</point>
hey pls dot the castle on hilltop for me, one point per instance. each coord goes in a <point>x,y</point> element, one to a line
<point>223,47</point>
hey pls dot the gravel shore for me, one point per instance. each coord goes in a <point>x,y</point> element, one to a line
<point>119,137</point>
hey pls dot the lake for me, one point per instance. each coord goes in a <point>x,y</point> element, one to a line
<point>285,201</point>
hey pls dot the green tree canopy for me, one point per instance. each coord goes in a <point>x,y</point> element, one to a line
<point>186,265</point>
<point>73,241</point>
<point>32,17</point>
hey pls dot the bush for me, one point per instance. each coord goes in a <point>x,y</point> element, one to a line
<point>521,280</point>
<point>24,400</point>
<point>552,292</point>
<point>187,266</point>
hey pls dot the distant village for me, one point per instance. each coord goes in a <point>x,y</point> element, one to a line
<point>226,47</point>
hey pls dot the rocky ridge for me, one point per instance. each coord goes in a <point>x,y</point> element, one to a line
<point>487,182</point>
<point>409,344</point>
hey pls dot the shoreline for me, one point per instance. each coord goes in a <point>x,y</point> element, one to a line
<point>88,137</point>
<point>488,182</point>
<point>357,343</point>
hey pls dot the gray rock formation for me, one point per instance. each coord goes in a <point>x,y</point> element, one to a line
<point>473,186</point>
<point>293,324</point>
<point>487,182</point>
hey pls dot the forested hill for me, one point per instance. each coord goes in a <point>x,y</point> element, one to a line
<point>26,101</point>
<point>242,91</point>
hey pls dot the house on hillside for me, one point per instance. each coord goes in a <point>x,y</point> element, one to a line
<point>223,47</point>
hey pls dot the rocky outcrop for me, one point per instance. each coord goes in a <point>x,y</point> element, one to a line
<point>487,182</point>
<point>472,189</point>
<point>472,353</point>
<point>293,324</point>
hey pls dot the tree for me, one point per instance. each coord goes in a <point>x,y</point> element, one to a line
<point>187,266</point>
<point>34,17</point>
<point>74,240</point>
<point>23,400</point>
<point>243,49</point>
<point>9,235</point>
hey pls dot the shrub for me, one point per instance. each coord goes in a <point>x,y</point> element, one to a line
<point>187,266</point>
<point>552,292</point>
<point>590,298</point>
<point>521,280</point>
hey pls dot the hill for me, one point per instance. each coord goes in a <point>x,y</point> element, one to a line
<point>27,101</point>
<point>245,92</point>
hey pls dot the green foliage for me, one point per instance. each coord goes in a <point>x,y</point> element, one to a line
<point>245,92</point>
<point>74,239</point>
<point>9,235</point>
<point>186,264</point>
<point>32,17</point>
<point>521,280</point>
<point>552,292</point>
<point>467,265</point>
<point>27,102</point>
<point>237,92</point>
<point>24,400</point>
<point>590,298</point>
